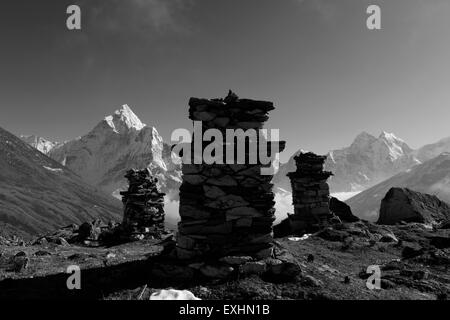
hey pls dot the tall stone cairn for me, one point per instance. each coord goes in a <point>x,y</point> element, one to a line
<point>226,209</point>
<point>310,193</point>
<point>143,206</point>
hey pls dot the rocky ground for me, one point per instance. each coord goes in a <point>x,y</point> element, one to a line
<point>413,258</point>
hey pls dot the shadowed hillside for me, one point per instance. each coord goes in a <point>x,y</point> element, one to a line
<point>38,195</point>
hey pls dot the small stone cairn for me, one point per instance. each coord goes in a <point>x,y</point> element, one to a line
<point>310,193</point>
<point>143,206</point>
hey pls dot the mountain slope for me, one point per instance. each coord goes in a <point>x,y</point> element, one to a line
<point>38,195</point>
<point>366,162</point>
<point>432,150</point>
<point>431,177</point>
<point>119,142</point>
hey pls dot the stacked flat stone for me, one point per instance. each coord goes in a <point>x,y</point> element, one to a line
<point>143,206</point>
<point>310,193</point>
<point>226,209</point>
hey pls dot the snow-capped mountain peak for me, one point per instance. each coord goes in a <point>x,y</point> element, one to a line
<point>397,148</point>
<point>389,136</point>
<point>119,142</point>
<point>124,120</point>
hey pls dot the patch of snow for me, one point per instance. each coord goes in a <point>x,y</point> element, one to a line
<point>129,117</point>
<point>173,294</point>
<point>306,236</point>
<point>331,156</point>
<point>110,122</point>
<point>56,170</point>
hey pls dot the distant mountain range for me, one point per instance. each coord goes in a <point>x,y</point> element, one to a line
<point>37,194</point>
<point>431,177</point>
<point>121,141</point>
<point>368,161</point>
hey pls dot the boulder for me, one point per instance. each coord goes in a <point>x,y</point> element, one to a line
<point>41,253</point>
<point>256,267</point>
<point>331,234</point>
<point>236,260</point>
<point>342,210</point>
<point>216,272</point>
<point>411,250</point>
<point>401,204</point>
<point>310,281</point>
<point>287,268</point>
<point>89,231</point>
<point>172,271</point>
<point>20,261</point>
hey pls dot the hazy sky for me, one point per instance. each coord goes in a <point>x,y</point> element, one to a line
<point>329,76</point>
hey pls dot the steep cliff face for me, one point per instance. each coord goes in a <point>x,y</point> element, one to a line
<point>119,142</point>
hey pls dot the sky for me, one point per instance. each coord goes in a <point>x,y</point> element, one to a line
<point>328,75</point>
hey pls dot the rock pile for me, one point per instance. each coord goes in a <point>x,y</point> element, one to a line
<point>227,209</point>
<point>143,206</point>
<point>310,193</point>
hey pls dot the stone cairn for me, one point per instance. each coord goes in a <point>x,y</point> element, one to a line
<point>143,206</point>
<point>226,209</point>
<point>310,193</point>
